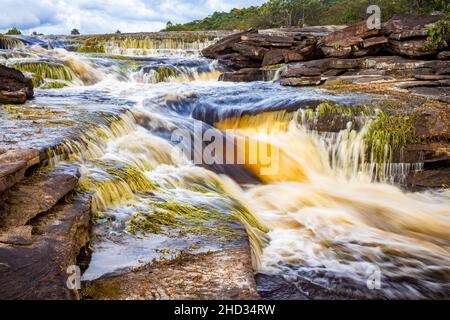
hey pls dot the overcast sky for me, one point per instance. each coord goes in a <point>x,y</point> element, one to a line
<point>107,16</point>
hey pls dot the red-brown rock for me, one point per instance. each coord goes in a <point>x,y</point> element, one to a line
<point>14,86</point>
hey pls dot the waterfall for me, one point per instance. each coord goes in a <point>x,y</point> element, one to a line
<point>329,209</point>
<point>202,71</point>
<point>326,218</point>
<point>10,43</point>
<point>157,44</point>
<point>346,150</point>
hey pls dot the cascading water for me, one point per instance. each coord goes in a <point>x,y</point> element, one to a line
<point>330,213</point>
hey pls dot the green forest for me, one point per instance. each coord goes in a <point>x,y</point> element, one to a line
<point>286,13</point>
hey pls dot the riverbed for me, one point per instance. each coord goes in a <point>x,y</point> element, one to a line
<point>326,216</point>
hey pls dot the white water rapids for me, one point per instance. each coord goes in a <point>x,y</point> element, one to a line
<point>325,216</point>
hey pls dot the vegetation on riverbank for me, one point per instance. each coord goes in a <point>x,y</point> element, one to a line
<point>284,13</point>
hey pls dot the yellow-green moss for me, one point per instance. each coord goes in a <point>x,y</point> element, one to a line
<point>92,49</point>
<point>388,133</point>
<point>9,42</point>
<point>54,85</point>
<point>163,73</point>
<point>437,34</point>
<point>174,218</point>
<point>327,108</point>
<point>44,70</point>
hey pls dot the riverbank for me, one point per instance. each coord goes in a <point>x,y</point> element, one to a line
<point>95,156</point>
<point>398,63</point>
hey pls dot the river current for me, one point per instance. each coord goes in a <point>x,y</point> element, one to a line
<point>325,212</point>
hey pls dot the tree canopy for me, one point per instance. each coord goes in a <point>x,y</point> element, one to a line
<point>14,31</point>
<point>285,13</point>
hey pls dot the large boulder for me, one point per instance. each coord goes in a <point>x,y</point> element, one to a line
<point>415,48</point>
<point>14,86</point>
<point>408,35</point>
<point>408,26</point>
<point>225,45</point>
<point>238,61</point>
<point>250,51</point>
<point>351,35</point>
<point>345,42</point>
<point>404,35</point>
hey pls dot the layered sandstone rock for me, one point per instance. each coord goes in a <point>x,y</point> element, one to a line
<point>41,230</point>
<point>36,257</point>
<point>404,35</point>
<point>14,86</point>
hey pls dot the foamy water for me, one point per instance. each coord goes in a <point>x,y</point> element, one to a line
<point>324,214</point>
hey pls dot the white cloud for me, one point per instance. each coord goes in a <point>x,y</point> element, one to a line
<point>103,16</point>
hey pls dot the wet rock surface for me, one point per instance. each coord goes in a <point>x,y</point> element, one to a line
<point>36,195</point>
<point>431,178</point>
<point>220,275</point>
<point>34,258</point>
<point>276,287</point>
<point>40,233</point>
<point>14,86</point>
<point>42,226</point>
<point>418,77</point>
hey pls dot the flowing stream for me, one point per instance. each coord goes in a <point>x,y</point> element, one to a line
<point>324,211</point>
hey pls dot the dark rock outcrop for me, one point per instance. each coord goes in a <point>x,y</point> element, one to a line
<point>404,35</point>
<point>225,45</point>
<point>253,49</point>
<point>426,78</point>
<point>34,258</point>
<point>40,233</point>
<point>433,178</point>
<point>14,86</point>
<point>13,163</point>
<point>244,75</point>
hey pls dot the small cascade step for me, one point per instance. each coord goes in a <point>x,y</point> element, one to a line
<point>36,269</point>
<point>36,195</point>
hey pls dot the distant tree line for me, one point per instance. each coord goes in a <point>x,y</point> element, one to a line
<point>285,13</point>
<point>14,31</point>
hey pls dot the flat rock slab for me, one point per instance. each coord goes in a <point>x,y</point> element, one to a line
<point>13,163</point>
<point>9,155</point>
<point>437,178</point>
<point>18,235</point>
<point>36,195</point>
<point>38,270</point>
<point>437,93</point>
<point>220,275</point>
